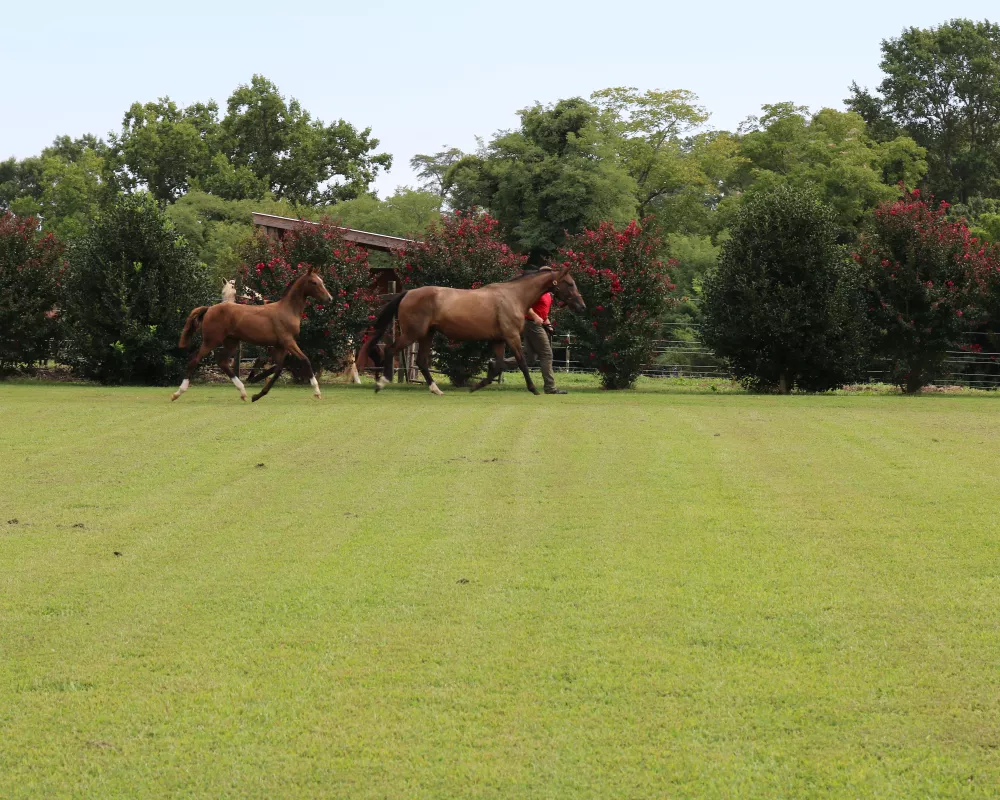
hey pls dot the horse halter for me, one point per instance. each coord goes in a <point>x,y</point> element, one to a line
<point>555,278</point>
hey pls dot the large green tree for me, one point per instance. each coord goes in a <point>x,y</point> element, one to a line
<point>64,186</point>
<point>264,144</point>
<point>300,158</point>
<point>164,147</point>
<point>829,152</point>
<point>266,150</point>
<point>556,175</point>
<point>679,171</point>
<point>432,169</point>
<point>942,87</point>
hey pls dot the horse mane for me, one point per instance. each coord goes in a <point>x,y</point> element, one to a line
<point>529,273</point>
<point>291,283</point>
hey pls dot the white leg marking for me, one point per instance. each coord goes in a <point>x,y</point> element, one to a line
<point>315,385</point>
<point>183,388</point>
<point>382,382</point>
<point>239,385</point>
<point>434,388</point>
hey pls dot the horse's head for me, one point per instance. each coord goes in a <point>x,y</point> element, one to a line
<point>564,288</point>
<point>314,286</point>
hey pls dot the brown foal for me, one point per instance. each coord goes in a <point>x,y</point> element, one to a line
<point>275,325</point>
<point>493,313</point>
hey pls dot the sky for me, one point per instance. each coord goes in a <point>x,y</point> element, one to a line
<point>423,76</point>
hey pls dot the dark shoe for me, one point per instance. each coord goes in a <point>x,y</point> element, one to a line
<point>555,391</point>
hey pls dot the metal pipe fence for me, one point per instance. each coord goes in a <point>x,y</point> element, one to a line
<point>679,352</point>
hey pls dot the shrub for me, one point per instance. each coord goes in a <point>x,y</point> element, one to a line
<point>30,266</point>
<point>783,304</point>
<point>328,330</point>
<point>463,251</point>
<point>626,289</point>
<point>928,281</point>
<point>131,283</point>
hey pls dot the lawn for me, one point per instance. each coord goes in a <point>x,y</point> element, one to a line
<point>644,594</point>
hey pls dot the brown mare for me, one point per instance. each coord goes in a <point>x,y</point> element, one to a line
<point>275,326</point>
<point>493,313</point>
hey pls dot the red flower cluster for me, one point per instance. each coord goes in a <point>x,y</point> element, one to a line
<point>462,250</point>
<point>626,288</point>
<point>928,282</point>
<point>328,330</point>
<point>31,267</point>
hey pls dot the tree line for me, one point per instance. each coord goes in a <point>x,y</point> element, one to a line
<point>569,167</point>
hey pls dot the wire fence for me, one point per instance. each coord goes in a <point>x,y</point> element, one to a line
<point>679,352</point>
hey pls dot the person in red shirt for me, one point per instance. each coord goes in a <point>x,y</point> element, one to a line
<point>536,343</point>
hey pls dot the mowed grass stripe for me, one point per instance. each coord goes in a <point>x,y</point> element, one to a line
<point>623,603</point>
<point>897,551</point>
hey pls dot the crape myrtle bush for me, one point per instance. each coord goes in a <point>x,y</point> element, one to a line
<point>131,283</point>
<point>626,289</point>
<point>463,250</point>
<point>30,267</point>
<point>927,282</point>
<point>783,305</point>
<point>329,330</point>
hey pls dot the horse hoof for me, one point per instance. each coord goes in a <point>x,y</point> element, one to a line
<point>255,398</point>
<point>535,392</point>
<point>243,397</point>
<point>174,396</point>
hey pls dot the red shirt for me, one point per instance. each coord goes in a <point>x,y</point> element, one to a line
<point>542,306</point>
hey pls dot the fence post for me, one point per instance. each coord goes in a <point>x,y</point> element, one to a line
<point>412,374</point>
<point>239,347</point>
<point>569,340</point>
<point>392,331</point>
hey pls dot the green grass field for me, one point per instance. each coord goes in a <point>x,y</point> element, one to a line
<point>647,594</point>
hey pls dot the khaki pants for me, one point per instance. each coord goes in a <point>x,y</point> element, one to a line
<point>536,345</point>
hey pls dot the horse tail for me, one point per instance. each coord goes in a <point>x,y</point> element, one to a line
<point>192,325</point>
<point>379,327</point>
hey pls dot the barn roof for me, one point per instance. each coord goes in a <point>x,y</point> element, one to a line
<point>373,241</point>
